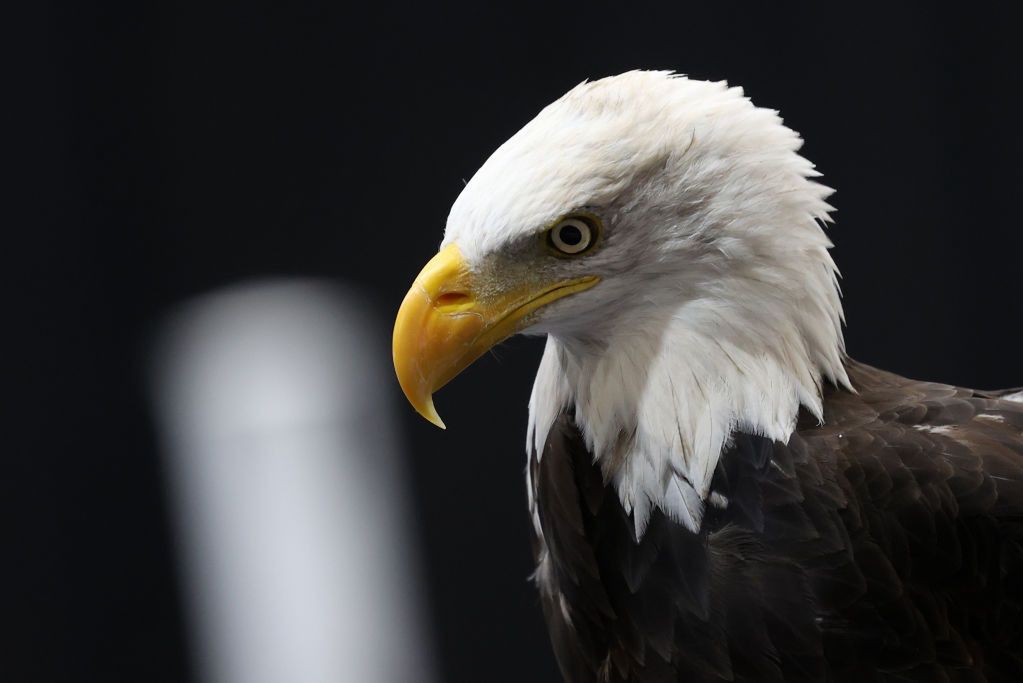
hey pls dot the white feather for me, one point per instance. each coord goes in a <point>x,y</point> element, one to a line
<point>936,429</point>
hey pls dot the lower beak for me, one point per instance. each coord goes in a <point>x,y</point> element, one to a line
<point>449,319</point>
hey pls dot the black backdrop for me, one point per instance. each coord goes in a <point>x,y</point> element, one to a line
<point>168,151</point>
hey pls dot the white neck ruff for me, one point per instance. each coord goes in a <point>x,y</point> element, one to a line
<point>658,401</point>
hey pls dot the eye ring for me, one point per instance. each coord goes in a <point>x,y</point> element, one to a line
<point>572,236</point>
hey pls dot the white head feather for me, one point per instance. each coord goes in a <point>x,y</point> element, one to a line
<point>718,307</point>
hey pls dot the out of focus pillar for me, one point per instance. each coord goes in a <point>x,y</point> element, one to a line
<point>291,502</point>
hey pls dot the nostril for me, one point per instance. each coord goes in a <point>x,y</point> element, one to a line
<point>448,299</point>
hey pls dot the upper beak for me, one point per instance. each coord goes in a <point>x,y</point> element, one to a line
<point>449,319</point>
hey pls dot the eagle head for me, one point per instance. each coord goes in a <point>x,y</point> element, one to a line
<point>666,235</point>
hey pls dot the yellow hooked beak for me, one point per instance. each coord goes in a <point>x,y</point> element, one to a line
<point>449,319</point>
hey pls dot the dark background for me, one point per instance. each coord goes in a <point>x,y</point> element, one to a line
<point>166,152</point>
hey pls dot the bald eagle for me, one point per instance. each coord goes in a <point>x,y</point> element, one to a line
<point>717,491</point>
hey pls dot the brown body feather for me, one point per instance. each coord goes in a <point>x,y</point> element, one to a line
<point>885,544</point>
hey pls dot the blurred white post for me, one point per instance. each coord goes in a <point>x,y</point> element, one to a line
<point>292,505</point>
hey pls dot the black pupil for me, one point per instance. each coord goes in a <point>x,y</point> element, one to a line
<point>570,235</point>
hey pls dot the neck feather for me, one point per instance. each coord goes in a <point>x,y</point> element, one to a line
<point>658,399</point>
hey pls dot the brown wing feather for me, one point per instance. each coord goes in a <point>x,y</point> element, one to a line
<point>883,545</point>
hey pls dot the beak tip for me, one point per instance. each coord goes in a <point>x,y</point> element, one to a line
<point>430,413</point>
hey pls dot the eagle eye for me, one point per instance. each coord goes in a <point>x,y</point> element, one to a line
<point>572,236</point>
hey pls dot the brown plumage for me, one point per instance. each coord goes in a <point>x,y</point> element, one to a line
<point>885,544</point>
